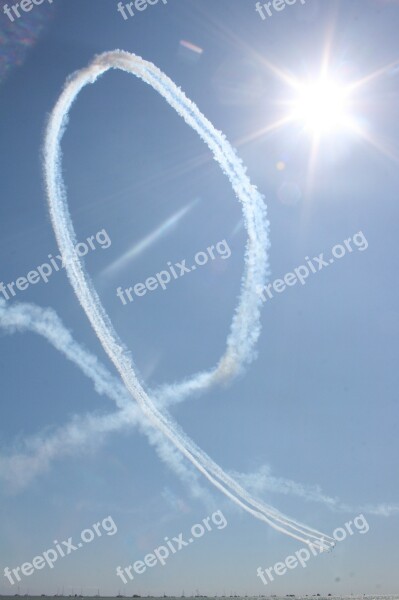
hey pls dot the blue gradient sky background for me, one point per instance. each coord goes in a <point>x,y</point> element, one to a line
<point>319,406</point>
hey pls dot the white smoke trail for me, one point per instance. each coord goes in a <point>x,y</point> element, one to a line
<point>245,327</point>
<point>263,480</point>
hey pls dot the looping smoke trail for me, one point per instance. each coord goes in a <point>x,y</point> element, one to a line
<point>245,328</point>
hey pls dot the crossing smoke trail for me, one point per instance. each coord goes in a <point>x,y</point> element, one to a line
<point>22,467</point>
<point>245,328</point>
<point>19,468</point>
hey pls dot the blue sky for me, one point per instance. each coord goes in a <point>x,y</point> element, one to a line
<point>319,405</point>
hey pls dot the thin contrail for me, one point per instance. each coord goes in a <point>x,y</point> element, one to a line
<point>245,328</point>
<point>147,241</point>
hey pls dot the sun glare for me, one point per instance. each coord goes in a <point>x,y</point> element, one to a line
<point>321,106</point>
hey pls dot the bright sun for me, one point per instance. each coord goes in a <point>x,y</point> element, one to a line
<point>327,105</point>
<point>321,106</point>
